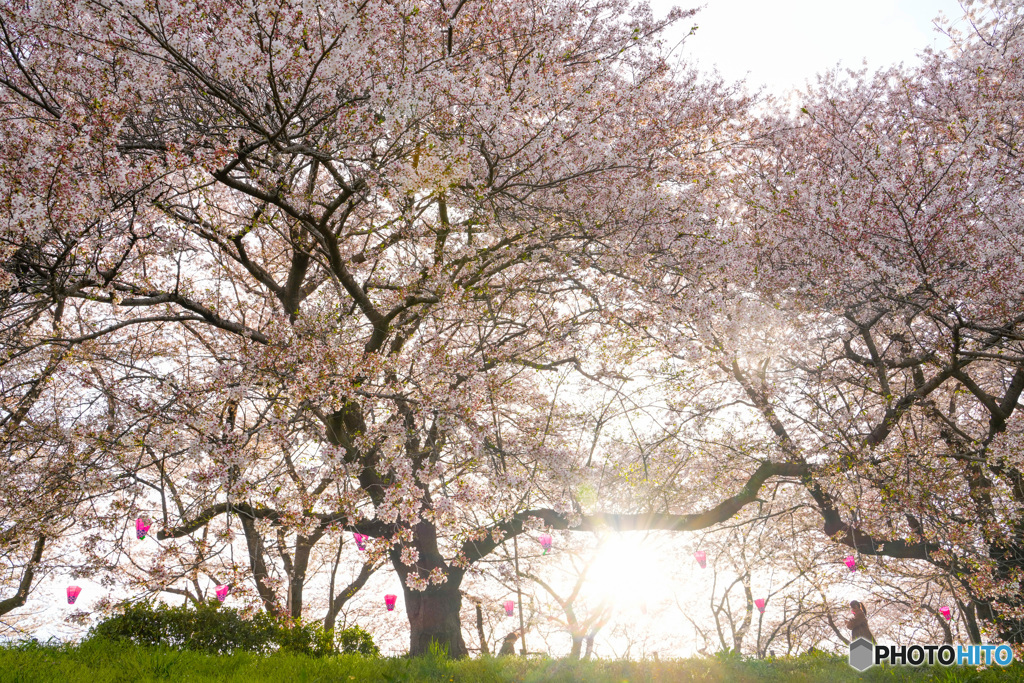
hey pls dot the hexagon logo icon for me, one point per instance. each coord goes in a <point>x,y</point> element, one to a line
<point>862,654</point>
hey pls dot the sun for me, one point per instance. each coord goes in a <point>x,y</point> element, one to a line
<point>631,571</point>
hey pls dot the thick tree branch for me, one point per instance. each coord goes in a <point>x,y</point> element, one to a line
<point>475,550</point>
<point>370,527</point>
<point>28,575</point>
<point>338,601</point>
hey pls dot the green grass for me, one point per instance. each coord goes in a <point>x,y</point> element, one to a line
<point>102,662</point>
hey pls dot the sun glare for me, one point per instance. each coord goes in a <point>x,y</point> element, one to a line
<point>631,572</point>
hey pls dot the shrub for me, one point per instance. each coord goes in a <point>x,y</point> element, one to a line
<point>210,627</point>
<point>355,639</point>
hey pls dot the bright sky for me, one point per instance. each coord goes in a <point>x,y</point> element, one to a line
<point>784,44</point>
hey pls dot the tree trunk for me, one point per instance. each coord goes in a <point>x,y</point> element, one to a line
<point>258,564</point>
<point>973,631</point>
<point>434,613</point>
<point>297,573</point>
<point>484,652</point>
<point>577,646</point>
<point>434,618</point>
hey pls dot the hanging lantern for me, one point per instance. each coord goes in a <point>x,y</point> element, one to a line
<point>946,612</point>
<point>389,602</point>
<point>510,607</point>
<point>545,542</point>
<point>851,562</point>
<point>73,592</point>
<point>222,592</point>
<point>360,540</point>
<point>760,605</point>
<point>142,526</point>
<point>702,558</point>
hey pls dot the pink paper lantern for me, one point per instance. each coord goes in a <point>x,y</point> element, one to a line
<point>389,602</point>
<point>360,540</point>
<point>510,607</point>
<point>142,527</point>
<point>545,542</point>
<point>851,562</point>
<point>946,612</point>
<point>760,605</point>
<point>222,592</point>
<point>73,592</point>
<point>702,558</point>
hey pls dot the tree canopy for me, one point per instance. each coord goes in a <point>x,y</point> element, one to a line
<point>444,274</point>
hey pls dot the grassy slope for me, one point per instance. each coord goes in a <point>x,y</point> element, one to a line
<point>99,662</point>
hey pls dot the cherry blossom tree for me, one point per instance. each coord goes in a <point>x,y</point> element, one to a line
<point>297,251</point>
<point>853,321</point>
<point>884,228</point>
